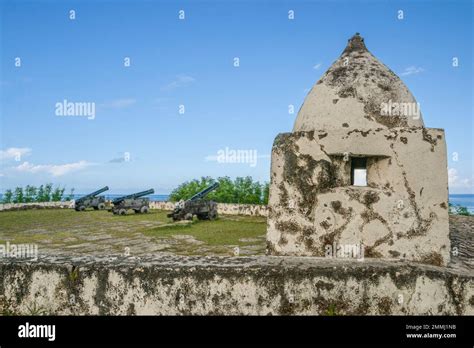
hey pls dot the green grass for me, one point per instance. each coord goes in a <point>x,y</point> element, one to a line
<point>224,231</point>
<point>30,226</point>
<point>91,232</point>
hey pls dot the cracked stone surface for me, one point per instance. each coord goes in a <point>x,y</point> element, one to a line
<point>402,213</point>
<point>350,94</point>
<point>259,285</point>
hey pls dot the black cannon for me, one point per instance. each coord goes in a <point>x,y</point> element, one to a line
<point>135,201</point>
<point>196,205</point>
<point>91,201</point>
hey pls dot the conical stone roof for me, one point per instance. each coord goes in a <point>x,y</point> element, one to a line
<point>358,92</point>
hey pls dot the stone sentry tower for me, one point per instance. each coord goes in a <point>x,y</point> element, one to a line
<point>360,168</point>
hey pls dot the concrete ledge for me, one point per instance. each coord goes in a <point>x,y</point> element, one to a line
<point>174,285</point>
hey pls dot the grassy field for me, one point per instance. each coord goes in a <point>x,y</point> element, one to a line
<point>101,232</point>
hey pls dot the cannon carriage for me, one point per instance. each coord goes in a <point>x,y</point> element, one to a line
<point>91,201</point>
<point>196,206</point>
<point>135,202</point>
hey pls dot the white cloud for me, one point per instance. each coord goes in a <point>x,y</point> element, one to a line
<point>412,70</point>
<point>182,80</point>
<point>14,153</point>
<point>53,169</point>
<point>119,103</point>
<point>317,66</point>
<point>454,181</point>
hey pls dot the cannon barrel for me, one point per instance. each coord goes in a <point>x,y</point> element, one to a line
<point>133,196</point>
<point>95,193</point>
<point>204,192</point>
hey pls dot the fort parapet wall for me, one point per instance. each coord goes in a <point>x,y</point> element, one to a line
<point>222,208</point>
<point>259,285</point>
<point>175,285</point>
<point>42,205</point>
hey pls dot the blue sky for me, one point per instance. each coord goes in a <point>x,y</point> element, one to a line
<point>190,62</point>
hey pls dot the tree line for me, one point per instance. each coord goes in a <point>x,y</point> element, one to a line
<point>31,194</point>
<point>242,190</point>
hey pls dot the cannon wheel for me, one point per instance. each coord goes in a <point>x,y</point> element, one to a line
<point>122,212</point>
<point>203,216</point>
<point>101,206</point>
<point>212,215</point>
<point>144,209</point>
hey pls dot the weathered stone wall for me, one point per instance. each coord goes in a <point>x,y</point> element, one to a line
<point>402,213</point>
<point>42,205</point>
<point>171,285</point>
<point>222,208</point>
<point>162,205</point>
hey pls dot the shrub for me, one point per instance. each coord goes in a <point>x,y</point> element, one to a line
<point>44,193</point>
<point>459,210</point>
<point>241,190</point>
<point>57,194</point>
<point>30,193</point>
<point>18,195</point>
<point>7,196</point>
<point>462,211</point>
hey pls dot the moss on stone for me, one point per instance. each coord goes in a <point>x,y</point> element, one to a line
<point>385,305</point>
<point>432,258</point>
